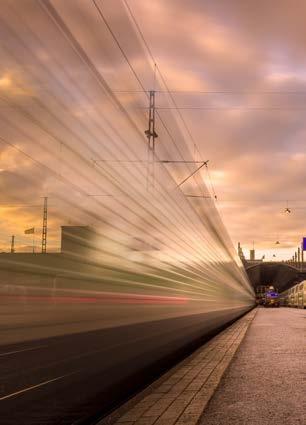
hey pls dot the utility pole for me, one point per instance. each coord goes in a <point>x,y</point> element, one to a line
<point>151,135</point>
<point>13,244</point>
<point>45,228</point>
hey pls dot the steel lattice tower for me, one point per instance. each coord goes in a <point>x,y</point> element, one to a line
<point>13,244</point>
<point>151,135</point>
<point>45,228</point>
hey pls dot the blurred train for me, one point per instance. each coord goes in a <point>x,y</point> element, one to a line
<point>295,296</point>
<point>115,334</point>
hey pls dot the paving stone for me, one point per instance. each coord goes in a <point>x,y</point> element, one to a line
<point>146,421</point>
<point>181,398</point>
<point>267,373</point>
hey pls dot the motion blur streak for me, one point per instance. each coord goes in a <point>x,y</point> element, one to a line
<point>138,270</point>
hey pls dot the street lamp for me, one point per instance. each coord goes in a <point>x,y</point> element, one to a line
<point>287,209</point>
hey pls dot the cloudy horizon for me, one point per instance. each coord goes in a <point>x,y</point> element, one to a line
<point>237,76</point>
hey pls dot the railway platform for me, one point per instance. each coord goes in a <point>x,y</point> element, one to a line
<point>251,373</point>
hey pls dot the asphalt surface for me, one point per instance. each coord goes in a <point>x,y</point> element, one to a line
<point>65,379</point>
<point>265,383</point>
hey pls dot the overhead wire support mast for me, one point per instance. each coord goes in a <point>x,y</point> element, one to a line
<point>151,135</point>
<point>13,244</point>
<point>45,228</point>
<point>170,92</point>
<point>151,93</point>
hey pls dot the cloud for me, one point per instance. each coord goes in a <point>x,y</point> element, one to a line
<point>247,56</point>
<point>255,138</point>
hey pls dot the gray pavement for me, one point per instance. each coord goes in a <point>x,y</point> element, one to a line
<point>265,383</point>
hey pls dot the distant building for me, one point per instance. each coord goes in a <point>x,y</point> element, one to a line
<point>78,240</point>
<point>240,252</point>
<point>252,254</point>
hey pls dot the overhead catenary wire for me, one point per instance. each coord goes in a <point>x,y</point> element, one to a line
<point>130,65</point>
<point>156,67</point>
<point>228,108</point>
<point>166,128</point>
<point>229,92</point>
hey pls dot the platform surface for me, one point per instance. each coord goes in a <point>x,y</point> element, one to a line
<point>266,382</point>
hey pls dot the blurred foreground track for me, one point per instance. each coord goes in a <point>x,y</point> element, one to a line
<point>64,379</point>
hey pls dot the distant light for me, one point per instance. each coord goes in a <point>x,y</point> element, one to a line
<point>5,82</point>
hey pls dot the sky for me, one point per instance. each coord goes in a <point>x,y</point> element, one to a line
<point>249,58</point>
<point>236,73</point>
